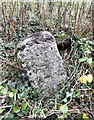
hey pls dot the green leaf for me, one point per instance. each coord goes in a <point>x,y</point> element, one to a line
<point>88,51</point>
<point>11,94</point>
<point>92,64</point>
<point>65,100</point>
<point>82,59</point>
<point>14,90</point>
<point>4,91</point>
<point>90,42</point>
<point>68,94</point>
<point>64,109</point>
<point>36,111</point>
<point>15,118</point>
<point>10,116</point>
<point>25,112</point>
<point>9,88</point>
<point>84,116</point>
<point>65,116</point>
<point>1,110</point>
<point>0,83</point>
<point>20,114</point>
<point>16,109</point>
<point>24,105</point>
<point>89,60</point>
<point>19,95</point>
<point>1,87</point>
<point>25,94</point>
<point>82,96</point>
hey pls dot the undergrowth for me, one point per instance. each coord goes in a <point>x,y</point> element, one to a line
<point>18,99</point>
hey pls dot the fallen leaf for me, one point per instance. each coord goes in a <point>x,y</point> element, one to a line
<point>5,38</point>
<point>89,78</point>
<point>83,79</point>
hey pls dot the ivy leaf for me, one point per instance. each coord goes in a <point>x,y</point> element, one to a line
<point>10,116</point>
<point>89,60</point>
<point>82,96</point>
<point>4,91</point>
<point>1,110</point>
<point>25,112</point>
<point>24,105</point>
<point>64,109</point>
<point>16,109</point>
<point>68,94</point>
<point>20,114</point>
<point>88,51</point>
<point>82,59</point>
<point>65,100</point>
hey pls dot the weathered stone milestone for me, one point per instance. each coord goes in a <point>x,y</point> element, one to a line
<point>41,59</point>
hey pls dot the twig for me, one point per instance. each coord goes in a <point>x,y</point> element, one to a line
<point>13,64</point>
<point>7,112</point>
<point>80,97</point>
<point>3,97</point>
<point>4,81</point>
<point>85,89</point>
<point>71,111</point>
<point>5,106</point>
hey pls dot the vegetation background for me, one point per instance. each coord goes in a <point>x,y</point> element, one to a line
<point>65,20</point>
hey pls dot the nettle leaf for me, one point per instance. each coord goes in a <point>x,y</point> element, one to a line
<point>4,91</point>
<point>1,110</point>
<point>24,105</point>
<point>16,109</point>
<point>82,59</point>
<point>64,109</point>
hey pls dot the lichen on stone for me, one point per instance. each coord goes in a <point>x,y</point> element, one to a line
<point>41,59</point>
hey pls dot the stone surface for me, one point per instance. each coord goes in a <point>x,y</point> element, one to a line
<point>41,59</point>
